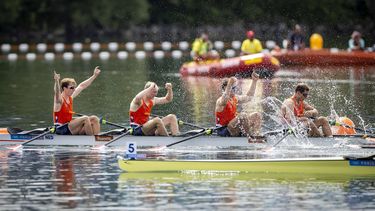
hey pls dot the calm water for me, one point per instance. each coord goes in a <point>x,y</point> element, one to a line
<point>62,178</point>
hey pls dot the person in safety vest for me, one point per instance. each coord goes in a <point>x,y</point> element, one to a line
<point>295,110</point>
<point>251,45</point>
<point>63,107</point>
<point>230,122</point>
<point>201,49</point>
<point>140,111</point>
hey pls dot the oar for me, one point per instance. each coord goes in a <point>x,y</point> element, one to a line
<point>52,130</point>
<point>288,132</point>
<point>180,122</point>
<point>104,121</point>
<point>204,132</point>
<point>130,131</point>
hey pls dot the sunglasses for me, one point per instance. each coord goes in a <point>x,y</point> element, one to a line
<point>71,87</point>
<point>305,94</point>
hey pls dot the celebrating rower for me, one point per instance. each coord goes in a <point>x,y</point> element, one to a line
<point>231,123</point>
<point>63,107</point>
<point>140,111</point>
<point>295,108</point>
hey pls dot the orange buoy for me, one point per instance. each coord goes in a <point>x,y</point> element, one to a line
<point>316,42</point>
<point>345,126</point>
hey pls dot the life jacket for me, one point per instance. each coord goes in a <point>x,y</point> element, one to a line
<point>142,114</point>
<point>229,112</point>
<point>66,112</point>
<point>299,110</point>
<point>200,46</point>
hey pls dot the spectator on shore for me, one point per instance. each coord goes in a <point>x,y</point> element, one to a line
<point>251,45</point>
<point>296,40</point>
<point>201,48</point>
<point>356,43</point>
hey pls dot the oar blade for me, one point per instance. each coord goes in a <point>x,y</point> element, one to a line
<point>16,147</point>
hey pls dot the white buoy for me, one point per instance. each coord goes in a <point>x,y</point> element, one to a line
<point>59,47</point>
<point>30,56</point>
<point>140,54</point>
<point>215,53</point>
<point>86,55</point>
<point>183,45</point>
<point>159,54</point>
<point>236,44</point>
<point>166,46</point>
<point>219,45</point>
<point>113,46</point>
<point>230,53</point>
<point>68,56</point>
<point>77,47</point>
<point>12,57</point>
<point>49,56</point>
<point>130,46</point>
<point>23,47</point>
<point>95,46</point>
<point>334,50</point>
<point>122,55</point>
<point>41,47</point>
<point>270,44</point>
<point>104,55</point>
<point>5,48</point>
<point>285,43</point>
<point>176,54</point>
<point>148,46</point>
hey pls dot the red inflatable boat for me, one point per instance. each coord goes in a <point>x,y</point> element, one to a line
<point>241,66</point>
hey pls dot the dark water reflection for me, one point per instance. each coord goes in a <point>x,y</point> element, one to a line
<point>60,178</point>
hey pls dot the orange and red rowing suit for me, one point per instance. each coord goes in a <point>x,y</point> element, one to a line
<point>229,112</point>
<point>142,114</point>
<point>66,112</point>
<point>299,110</point>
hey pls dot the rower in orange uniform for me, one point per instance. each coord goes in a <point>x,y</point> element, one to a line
<point>232,123</point>
<point>63,107</point>
<point>140,111</point>
<point>295,109</point>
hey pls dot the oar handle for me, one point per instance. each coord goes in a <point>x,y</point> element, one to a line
<point>105,122</point>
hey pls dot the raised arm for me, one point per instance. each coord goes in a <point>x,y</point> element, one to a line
<point>250,93</point>
<point>222,101</point>
<point>86,83</point>
<point>167,98</point>
<point>137,101</point>
<point>57,101</point>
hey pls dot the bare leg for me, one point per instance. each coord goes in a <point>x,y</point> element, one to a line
<point>324,123</point>
<point>81,125</point>
<point>314,131</point>
<point>154,126</point>
<point>171,122</point>
<point>95,125</point>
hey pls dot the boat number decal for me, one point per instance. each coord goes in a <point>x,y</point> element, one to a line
<point>22,137</point>
<point>131,150</point>
<point>49,137</point>
<point>362,162</point>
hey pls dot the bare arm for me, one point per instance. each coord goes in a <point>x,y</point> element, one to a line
<point>222,101</point>
<point>250,93</point>
<point>168,97</point>
<point>287,110</point>
<point>57,101</point>
<point>310,111</point>
<point>137,101</point>
<point>86,83</point>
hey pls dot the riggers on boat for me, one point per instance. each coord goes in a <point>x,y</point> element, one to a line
<point>7,138</point>
<point>317,165</point>
<point>243,66</point>
<point>325,57</point>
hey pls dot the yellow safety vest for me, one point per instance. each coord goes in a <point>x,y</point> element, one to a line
<point>251,47</point>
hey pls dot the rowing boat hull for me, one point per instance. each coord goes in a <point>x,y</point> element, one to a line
<point>335,165</point>
<point>155,141</point>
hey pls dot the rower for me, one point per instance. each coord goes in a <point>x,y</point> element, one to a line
<point>63,107</point>
<point>251,45</point>
<point>295,108</point>
<point>230,122</point>
<point>140,111</point>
